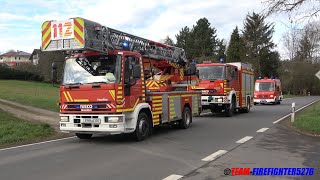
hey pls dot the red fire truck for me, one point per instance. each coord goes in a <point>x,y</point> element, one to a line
<point>225,87</point>
<point>268,90</point>
<point>115,82</point>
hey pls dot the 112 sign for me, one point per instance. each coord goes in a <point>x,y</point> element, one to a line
<point>62,30</point>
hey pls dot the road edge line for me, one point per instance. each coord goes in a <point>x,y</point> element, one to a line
<point>173,177</point>
<point>43,142</point>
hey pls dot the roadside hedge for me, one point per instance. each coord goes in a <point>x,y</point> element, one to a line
<point>14,74</point>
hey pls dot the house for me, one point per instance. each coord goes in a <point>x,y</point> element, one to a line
<point>34,58</point>
<point>14,58</point>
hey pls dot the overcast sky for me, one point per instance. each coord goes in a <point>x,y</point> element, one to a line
<point>20,21</point>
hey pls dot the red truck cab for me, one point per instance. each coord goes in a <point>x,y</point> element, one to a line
<point>267,90</point>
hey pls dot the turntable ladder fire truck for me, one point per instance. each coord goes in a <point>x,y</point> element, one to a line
<point>225,87</point>
<point>115,82</point>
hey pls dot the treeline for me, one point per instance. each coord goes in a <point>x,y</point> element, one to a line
<point>253,44</point>
<point>303,51</point>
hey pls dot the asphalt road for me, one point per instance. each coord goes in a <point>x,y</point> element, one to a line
<point>169,151</point>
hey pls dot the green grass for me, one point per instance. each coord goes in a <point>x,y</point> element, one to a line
<point>14,130</point>
<point>308,120</point>
<point>41,95</point>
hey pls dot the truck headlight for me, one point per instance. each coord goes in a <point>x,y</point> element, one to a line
<point>113,119</point>
<point>64,119</point>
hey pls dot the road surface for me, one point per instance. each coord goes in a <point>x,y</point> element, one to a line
<point>169,151</point>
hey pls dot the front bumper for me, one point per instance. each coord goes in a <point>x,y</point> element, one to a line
<point>77,124</point>
<point>207,100</point>
<point>259,101</point>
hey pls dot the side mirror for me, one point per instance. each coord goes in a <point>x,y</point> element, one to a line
<point>54,72</point>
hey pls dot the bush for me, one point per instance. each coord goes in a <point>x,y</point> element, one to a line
<point>16,74</point>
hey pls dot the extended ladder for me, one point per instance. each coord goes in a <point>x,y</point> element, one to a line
<point>82,34</point>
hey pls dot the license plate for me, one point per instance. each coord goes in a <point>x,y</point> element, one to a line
<point>91,120</point>
<point>263,101</point>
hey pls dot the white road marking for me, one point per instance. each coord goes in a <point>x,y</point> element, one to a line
<point>284,117</point>
<point>26,145</point>
<point>296,111</point>
<point>206,113</point>
<point>214,155</point>
<point>307,105</point>
<point>245,139</point>
<point>173,177</point>
<point>262,129</point>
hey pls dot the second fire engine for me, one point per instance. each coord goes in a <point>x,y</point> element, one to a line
<point>225,87</point>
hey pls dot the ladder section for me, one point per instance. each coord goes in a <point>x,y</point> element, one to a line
<point>115,39</point>
<point>82,34</point>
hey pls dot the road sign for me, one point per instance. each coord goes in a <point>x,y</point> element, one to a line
<point>318,74</point>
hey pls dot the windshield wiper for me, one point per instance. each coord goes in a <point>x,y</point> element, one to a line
<point>70,84</point>
<point>102,82</point>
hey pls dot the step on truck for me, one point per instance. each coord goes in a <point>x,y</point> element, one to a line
<point>268,91</point>
<point>225,87</point>
<point>115,82</point>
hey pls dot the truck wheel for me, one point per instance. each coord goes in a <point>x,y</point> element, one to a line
<point>83,136</point>
<point>247,109</point>
<point>186,118</point>
<point>143,128</point>
<point>229,111</point>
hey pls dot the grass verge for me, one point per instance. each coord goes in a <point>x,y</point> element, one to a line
<point>14,130</point>
<point>308,120</point>
<point>289,96</point>
<point>36,94</point>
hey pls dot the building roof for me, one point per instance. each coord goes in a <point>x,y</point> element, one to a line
<point>35,51</point>
<point>16,54</point>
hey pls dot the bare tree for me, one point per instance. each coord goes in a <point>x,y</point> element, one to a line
<point>301,8</point>
<point>291,42</point>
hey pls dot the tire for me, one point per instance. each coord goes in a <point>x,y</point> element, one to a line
<point>230,111</point>
<point>247,108</point>
<point>143,128</point>
<point>186,118</point>
<point>83,136</point>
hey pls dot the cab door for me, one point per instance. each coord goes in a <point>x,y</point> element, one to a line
<point>132,81</point>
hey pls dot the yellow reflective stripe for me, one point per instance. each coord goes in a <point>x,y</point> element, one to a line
<point>156,105</point>
<point>78,31</point>
<point>46,34</point>
<point>81,100</point>
<point>69,96</point>
<point>65,95</point>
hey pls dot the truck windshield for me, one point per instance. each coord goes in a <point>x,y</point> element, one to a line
<point>211,72</point>
<point>92,69</point>
<point>264,86</point>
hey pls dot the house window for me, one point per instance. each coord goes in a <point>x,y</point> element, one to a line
<point>15,57</point>
<point>19,57</point>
